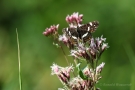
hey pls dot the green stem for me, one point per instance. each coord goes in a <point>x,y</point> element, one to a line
<point>64,54</point>
<point>20,80</point>
<point>57,36</point>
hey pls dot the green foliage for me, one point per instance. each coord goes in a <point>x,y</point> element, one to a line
<point>80,72</point>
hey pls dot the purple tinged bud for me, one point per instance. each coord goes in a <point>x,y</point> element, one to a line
<point>45,33</point>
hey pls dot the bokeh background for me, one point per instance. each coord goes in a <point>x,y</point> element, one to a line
<point>31,17</point>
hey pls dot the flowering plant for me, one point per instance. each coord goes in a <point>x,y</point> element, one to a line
<point>83,47</point>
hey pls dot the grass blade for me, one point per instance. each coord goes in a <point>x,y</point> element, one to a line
<point>20,80</point>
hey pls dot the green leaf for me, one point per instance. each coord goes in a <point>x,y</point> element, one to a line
<point>80,72</point>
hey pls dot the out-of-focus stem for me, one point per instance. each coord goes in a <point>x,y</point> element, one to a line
<point>64,54</point>
<point>19,63</point>
<point>57,35</point>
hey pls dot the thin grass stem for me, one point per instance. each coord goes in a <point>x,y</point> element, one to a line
<point>19,63</point>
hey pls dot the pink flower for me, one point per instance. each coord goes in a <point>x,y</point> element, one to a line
<point>77,83</point>
<point>63,73</point>
<point>64,39</point>
<point>75,19</point>
<point>99,41</point>
<point>104,46</point>
<point>99,68</point>
<point>55,69</point>
<point>52,30</point>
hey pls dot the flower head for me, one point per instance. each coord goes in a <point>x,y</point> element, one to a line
<point>88,72</point>
<point>63,73</point>
<point>52,30</point>
<point>74,19</point>
<point>63,38</point>
<point>80,53</point>
<point>104,46</point>
<point>78,83</point>
<point>97,46</point>
<point>99,68</point>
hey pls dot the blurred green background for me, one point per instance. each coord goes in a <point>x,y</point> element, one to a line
<point>31,17</point>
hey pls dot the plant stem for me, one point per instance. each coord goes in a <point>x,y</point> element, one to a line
<point>64,54</point>
<point>20,81</point>
<point>57,35</point>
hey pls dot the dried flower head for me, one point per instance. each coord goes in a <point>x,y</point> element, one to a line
<point>63,73</point>
<point>63,38</point>
<point>77,83</point>
<point>99,68</point>
<point>88,72</point>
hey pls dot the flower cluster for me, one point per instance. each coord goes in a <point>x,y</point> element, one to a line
<point>93,51</point>
<point>77,83</point>
<point>63,73</point>
<point>74,19</point>
<point>83,47</point>
<point>52,30</point>
<point>66,40</point>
